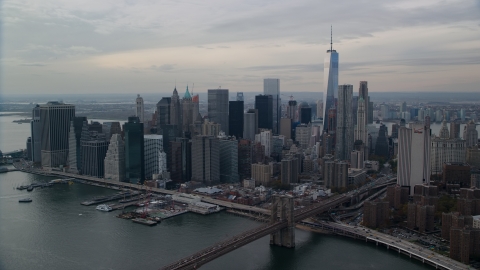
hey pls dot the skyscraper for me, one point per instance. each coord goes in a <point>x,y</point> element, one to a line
<point>94,151</point>
<point>115,159</point>
<point>361,130</point>
<point>140,112</point>
<point>188,116</point>
<point>272,87</point>
<point>414,149</point>
<point>330,80</point>
<point>240,96</point>
<point>250,124</point>
<point>470,134</point>
<point>55,124</point>
<point>363,93</point>
<point>446,149</point>
<point>344,134</point>
<point>292,110</point>
<point>153,149</point>
<point>218,107</point>
<point>163,111</point>
<point>175,109</point>
<point>264,105</point>
<point>36,134</point>
<point>305,115</point>
<point>134,151</point>
<point>75,151</point>
<point>228,160</point>
<point>244,159</point>
<point>205,159</point>
<point>235,118</point>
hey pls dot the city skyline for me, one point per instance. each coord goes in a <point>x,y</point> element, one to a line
<point>405,46</point>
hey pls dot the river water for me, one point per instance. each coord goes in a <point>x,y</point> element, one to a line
<point>56,232</point>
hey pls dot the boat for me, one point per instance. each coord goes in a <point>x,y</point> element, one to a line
<point>25,200</point>
<point>30,188</point>
<point>104,207</point>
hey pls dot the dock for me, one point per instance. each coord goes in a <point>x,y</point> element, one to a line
<point>144,221</point>
<point>104,199</point>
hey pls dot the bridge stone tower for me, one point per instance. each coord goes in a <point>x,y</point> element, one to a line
<point>282,210</point>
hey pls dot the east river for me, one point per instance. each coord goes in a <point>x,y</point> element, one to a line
<point>56,232</point>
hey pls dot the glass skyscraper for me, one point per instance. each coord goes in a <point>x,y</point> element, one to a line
<point>134,151</point>
<point>330,81</point>
<point>272,87</point>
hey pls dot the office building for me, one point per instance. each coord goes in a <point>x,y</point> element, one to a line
<point>286,127</point>
<point>303,134</point>
<point>445,149</point>
<point>175,110</point>
<point>235,118</point>
<point>181,160</point>
<point>94,151</point>
<point>473,156</point>
<point>36,134</point>
<point>210,128</point>
<point>115,159</point>
<point>140,108</point>
<point>55,125</point>
<point>261,173</point>
<point>218,107</point>
<point>305,115</point>
<point>206,159</point>
<point>344,135</point>
<point>330,81</point>
<point>335,174</point>
<point>264,106</point>
<point>289,170</point>
<point>250,124</point>
<point>229,160</point>
<point>75,151</point>
<point>456,173</point>
<point>265,139</point>
<point>470,134</point>
<point>188,113</point>
<point>153,149</point>
<point>240,96</point>
<point>320,108</point>
<point>163,113</point>
<point>414,150</point>
<point>292,110</point>
<point>361,128</point>
<point>244,159</point>
<point>357,159</point>
<point>381,145</point>
<point>272,87</point>
<point>363,93</point>
<point>110,128</point>
<point>134,151</point>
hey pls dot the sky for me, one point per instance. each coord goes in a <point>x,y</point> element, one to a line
<point>148,46</point>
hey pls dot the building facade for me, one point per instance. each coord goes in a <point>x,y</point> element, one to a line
<point>115,159</point>
<point>218,107</point>
<point>272,87</point>
<point>134,151</point>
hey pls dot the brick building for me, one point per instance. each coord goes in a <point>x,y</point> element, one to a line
<point>376,214</point>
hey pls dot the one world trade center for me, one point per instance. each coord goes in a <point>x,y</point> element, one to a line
<point>330,81</point>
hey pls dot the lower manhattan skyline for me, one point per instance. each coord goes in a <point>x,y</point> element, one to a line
<point>278,135</point>
<point>406,46</point>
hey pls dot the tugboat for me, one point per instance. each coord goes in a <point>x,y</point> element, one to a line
<point>30,188</point>
<point>104,207</point>
<point>26,200</point>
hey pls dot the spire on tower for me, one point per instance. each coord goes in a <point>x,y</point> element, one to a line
<point>331,38</point>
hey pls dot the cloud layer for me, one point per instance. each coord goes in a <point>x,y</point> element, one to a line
<point>58,46</point>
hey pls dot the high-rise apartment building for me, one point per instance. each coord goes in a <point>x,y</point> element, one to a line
<point>330,81</point>
<point>140,108</point>
<point>265,139</point>
<point>272,87</point>
<point>361,128</point>
<point>134,151</point>
<point>235,118</point>
<point>303,134</point>
<point>344,135</point>
<point>218,107</point>
<point>55,124</point>
<point>115,159</point>
<point>289,170</point>
<point>264,106</point>
<point>261,173</point>
<point>414,150</point>
<point>206,159</point>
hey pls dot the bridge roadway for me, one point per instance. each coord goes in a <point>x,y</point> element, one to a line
<point>218,249</point>
<point>405,247</point>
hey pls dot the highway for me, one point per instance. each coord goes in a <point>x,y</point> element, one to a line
<point>391,242</point>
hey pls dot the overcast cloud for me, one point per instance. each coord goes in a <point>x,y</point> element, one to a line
<point>139,46</point>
